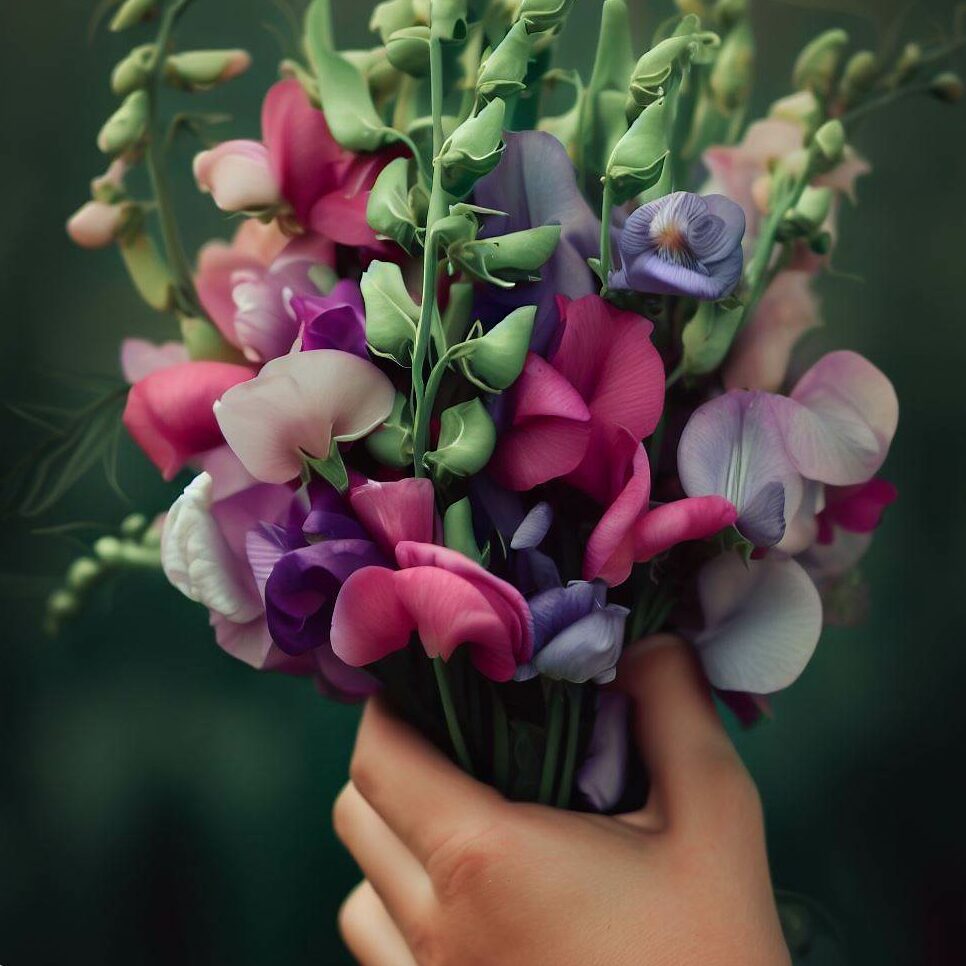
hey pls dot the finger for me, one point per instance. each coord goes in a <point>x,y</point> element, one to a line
<point>369,932</point>
<point>421,796</point>
<point>679,734</point>
<point>390,867</point>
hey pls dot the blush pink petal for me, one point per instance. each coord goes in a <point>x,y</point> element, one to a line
<point>238,176</point>
<point>140,358</point>
<point>170,413</point>
<point>369,620</point>
<point>300,403</point>
<point>694,518</point>
<point>611,547</point>
<point>846,419</point>
<point>394,512</point>
<point>549,433</point>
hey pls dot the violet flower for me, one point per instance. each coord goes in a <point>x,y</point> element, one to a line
<point>333,321</point>
<point>682,244</point>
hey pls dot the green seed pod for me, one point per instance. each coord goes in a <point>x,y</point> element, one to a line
<point>133,72</point>
<point>388,210</point>
<point>818,63</point>
<point>147,270</point>
<point>126,126</point>
<point>408,50</point>
<point>638,160</point>
<point>200,70</point>
<point>473,149</point>
<point>391,313</point>
<point>392,443</point>
<point>467,438</point>
<point>494,361</point>
<point>132,12</point>
<point>540,15</point>
<point>503,73</point>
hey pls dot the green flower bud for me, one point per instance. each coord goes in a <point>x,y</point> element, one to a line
<point>82,573</point>
<point>448,19</point>
<point>388,210</point>
<point>391,313</point>
<point>134,525</point>
<point>503,73</point>
<point>638,160</point>
<point>731,75</point>
<point>200,70</point>
<point>392,443</point>
<point>539,15</point>
<point>62,603</point>
<point>455,229</point>
<point>132,12</point>
<point>947,86</point>
<point>408,50</point>
<point>331,469</point>
<point>859,76</point>
<point>813,208</point>
<point>467,438</point>
<point>731,12</point>
<point>390,16</point>
<point>494,361</point>
<point>110,550</point>
<point>654,69</point>
<point>133,72</point>
<point>708,336</point>
<point>147,270</point>
<point>908,62</point>
<point>458,532</point>
<point>459,311</point>
<point>818,63</point>
<point>204,342</point>
<point>126,126</point>
<point>821,243</point>
<point>509,259</point>
<point>828,146</point>
<point>473,150</point>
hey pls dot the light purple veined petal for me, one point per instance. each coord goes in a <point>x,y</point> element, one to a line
<point>848,417</point>
<point>762,622</point>
<point>588,649</point>
<point>536,571</point>
<point>635,238</point>
<point>654,275</point>
<point>559,607</point>
<point>603,774</point>
<point>826,561</point>
<point>718,235</point>
<point>534,528</point>
<point>802,529</point>
<point>265,545</point>
<point>733,447</point>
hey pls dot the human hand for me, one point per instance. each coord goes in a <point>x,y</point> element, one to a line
<point>457,875</point>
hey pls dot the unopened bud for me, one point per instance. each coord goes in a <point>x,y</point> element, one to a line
<point>495,360</point>
<point>109,186</point>
<point>458,531</point>
<point>947,86</point>
<point>503,73</point>
<point>391,313</point>
<point>812,209</point>
<point>134,525</point>
<point>109,549</point>
<point>392,443</point>
<point>860,75</point>
<point>818,63</point>
<point>509,259</point>
<point>96,224</point>
<point>134,71</point>
<point>82,573</point>
<point>132,12</point>
<point>539,15</point>
<point>653,71</point>
<point>828,146</point>
<point>62,603</point>
<point>908,62</point>
<point>731,75</point>
<point>637,162</point>
<point>731,11</point>
<point>126,126</point>
<point>205,342</point>
<point>473,149</point>
<point>393,15</point>
<point>388,210</point>
<point>199,70</point>
<point>467,438</point>
<point>408,50</point>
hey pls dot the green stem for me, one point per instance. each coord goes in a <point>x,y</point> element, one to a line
<point>574,695</point>
<point>449,712</point>
<point>607,206</point>
<point>501,742</point>
<point>424,410</point>
<point>186,297</point>
<point>554,731</point>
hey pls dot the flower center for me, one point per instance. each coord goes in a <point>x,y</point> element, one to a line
<point>670,238</point>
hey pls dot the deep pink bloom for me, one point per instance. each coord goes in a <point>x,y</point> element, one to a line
<point>170,413</point>
<point>396,512</point>
<point>443,597</point>
<point>857,509</point>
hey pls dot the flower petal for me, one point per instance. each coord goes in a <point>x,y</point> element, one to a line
<point>534,528</point>
<point>369,620</point>
<point>141,358</point>
<point>394,512</point>
<point>603,774</point>
<point>694,518</point>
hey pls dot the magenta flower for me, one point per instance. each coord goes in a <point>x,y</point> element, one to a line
<point>333,321</point>
<point>682,244</point>
<point>444,598</point>
<point>857,509</point>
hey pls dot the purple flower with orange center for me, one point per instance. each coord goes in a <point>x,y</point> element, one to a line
<point>682,244</point>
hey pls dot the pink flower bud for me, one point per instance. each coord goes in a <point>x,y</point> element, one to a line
<point>95,224</point>
<point>238,176</point>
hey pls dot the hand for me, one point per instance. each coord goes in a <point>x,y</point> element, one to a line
<point>457,875</point>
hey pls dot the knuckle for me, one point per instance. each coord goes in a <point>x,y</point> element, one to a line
<point>361,772</point>
<point>340,812</point>
<point>465,861</point>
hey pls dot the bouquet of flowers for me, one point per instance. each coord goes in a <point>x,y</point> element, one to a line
<point>501,368</point>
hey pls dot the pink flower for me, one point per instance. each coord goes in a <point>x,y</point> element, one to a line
<point>397,512</point>
<point>170,412</point>
<point>857,509</point>
<point>297,406</point>
<point>298,162</point>
<point>96,224</point>
<point>140,358</point>
<point>444,598</point>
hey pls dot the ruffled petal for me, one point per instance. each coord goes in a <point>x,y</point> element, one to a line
<point>394,512</point>
<point>369,620</point>
<point>695,518</point>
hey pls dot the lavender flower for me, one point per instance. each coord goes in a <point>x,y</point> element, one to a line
<point>682,244</point>
<point>333,321</point>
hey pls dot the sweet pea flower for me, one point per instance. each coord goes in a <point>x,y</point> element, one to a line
<point>169,413</point>
<point>603,774</point>
<point>298,406</point>
<point>444,598</point>
<point>857,509</point>
<point>140,358</point>
<point>535,184</point>
<point>96,224</point>
<point>299,164</point>
<point>682,244</point>
<point>577,635</point>
<point>762,622</point>
<point>760,450</point>
<point>333,321</point>
<point>211,552</point>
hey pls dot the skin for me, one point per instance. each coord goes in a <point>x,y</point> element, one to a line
<point>455,874</point>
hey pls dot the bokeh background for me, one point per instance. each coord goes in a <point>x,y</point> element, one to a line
<point>160,803</point>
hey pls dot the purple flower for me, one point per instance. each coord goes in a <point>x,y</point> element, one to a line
<point>577,636</point>
<point>535,185</point>
<point>682,244</point>
<point>300,569</point>
<point>603,774</point>
<point>333,321</point>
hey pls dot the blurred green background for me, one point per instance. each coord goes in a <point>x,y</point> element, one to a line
<point>160,803</point>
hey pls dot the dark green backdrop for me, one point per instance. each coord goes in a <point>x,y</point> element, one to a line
<point>160,803</point>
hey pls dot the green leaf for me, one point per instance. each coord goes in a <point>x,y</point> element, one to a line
<point>391,313</point>
<point>332,468</point>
